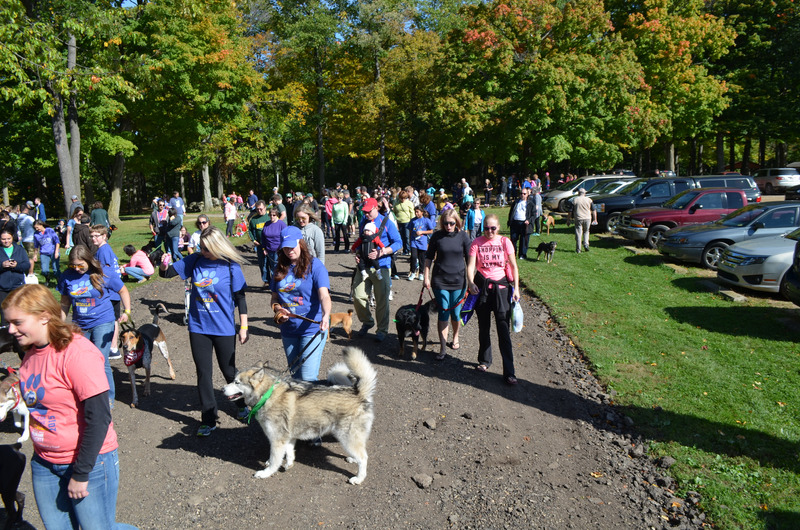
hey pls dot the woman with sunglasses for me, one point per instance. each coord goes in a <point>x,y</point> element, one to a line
<point>271,243</point>
<point>88,291</point>
<point>445,269</point>
<point>75,467</point>
<point>492,272</point>
<point>218,287</point>
<point>201,223</point>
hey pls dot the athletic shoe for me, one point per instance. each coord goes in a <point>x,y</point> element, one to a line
<point>363,331</point>
<point>380,336</point>
<point>242,413</point>
<point>205,430</point>
<point>396,277</point>
<point>412,276</point>
<point>114,354</point>
<point>391,295</point>
<point>372,301</point>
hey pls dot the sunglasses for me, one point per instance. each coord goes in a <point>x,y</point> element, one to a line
<point>202,222</point>
<point>490,228</point>
<point>449,223</point>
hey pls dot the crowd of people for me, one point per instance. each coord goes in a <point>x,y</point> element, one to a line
<point>451,244</point>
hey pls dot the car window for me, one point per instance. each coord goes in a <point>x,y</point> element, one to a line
<point>681,185</point>
<point>780,218</point>
<point>660,189</point>
<point>741,183</point>
<point>793,235</point>
<point>735,200</point>
<point>784,171</point>
<point>633,187</point>
<point>712,183</point>
<point>710,201</point>
<point>743,216</point>
<point>679,201</point>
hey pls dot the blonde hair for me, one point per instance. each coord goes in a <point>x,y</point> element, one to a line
<point>99,229</point>
<point>36,300</point>
<point>309,211</point>
<point>450,214</point>
<point>218,245</point>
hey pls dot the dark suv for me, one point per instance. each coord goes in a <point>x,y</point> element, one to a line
<point>654,192</point>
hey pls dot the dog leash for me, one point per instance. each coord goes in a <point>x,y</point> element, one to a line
<point>422,294</point>
<point>298,363</point>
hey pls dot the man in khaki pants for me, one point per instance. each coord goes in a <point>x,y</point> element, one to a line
<point>585,216</point>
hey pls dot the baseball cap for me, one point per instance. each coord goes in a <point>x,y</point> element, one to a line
<point>30,204</point>
<point>369,204</point>
<point>290,236</point>
<point>74,197</point>
<point>309,195</point>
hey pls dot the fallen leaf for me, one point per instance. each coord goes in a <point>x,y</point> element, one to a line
<point>781,403</point>
<point>596,474</point>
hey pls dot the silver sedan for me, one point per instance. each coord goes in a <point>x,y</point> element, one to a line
<point>758,264</point>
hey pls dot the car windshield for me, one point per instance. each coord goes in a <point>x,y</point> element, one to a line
<point>680,201</point>
<point>633,187</point>
<point>568,186</point>
<point>793,235</point>
<point>743,216</point>
<point>604,187</point>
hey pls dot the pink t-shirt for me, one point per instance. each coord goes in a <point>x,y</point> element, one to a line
<point>139,259</point>
<point>53,385</point>
<point>491,256</point>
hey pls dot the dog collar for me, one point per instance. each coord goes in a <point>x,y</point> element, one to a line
<point>261,401</point>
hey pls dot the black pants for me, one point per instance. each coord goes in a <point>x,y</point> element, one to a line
<point>501,320</point>
<point>341,230</point>
<point>203,348</point>
<point>519,232</point>
<point>417,260</point>
<point>229,227</point>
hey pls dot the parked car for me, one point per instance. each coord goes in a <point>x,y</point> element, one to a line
<point>556,198</point>
<point>602,187</point>
<point>760,264</point>
<point>791,282</point>
<point>690,207</point>
<point>705,244</point>
<point>793,193</point>
<point>654,192</point>
<point>777,179</point>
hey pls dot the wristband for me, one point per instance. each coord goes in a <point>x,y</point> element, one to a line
<point>127,311</point>
<point>244,327</point>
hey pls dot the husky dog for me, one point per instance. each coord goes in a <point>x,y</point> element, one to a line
<point>290,410</point>
<point>548,249</point>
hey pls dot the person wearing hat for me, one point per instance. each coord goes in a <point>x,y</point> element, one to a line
<point>585,216</point>
<point>301,287</point>
<point>74,206</point>
<point>381,285</point>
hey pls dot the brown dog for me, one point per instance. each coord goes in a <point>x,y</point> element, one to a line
<point>549,221</point>
<point>345,319</point>
<point>137,347</point>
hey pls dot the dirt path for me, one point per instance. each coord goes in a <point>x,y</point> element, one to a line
<point>450,446</point>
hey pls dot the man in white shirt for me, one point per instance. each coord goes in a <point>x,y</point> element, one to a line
<point>585,216</point>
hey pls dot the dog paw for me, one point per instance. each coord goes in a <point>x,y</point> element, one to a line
<point>355,480</point>
<point>264,473</point>
<point>134,405</point>
<point>413,355</point>
<point>351,460</point>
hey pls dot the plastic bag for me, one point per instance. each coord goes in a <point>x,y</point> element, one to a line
<point>31,279</point>
<point>469,307</point>
<point>516,316</point>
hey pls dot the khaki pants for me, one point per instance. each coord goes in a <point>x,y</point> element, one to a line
<point>582,227</point>
<point>361,299</point>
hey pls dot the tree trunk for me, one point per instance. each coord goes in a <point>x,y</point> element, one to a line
<point>669,155</point>
<point>117,174</point>
<point>207,204</point>
<point>72,114</point>
<point>700,170</point>
<point>731,152</point>
<point>746,156</point>
<point>693,156</point>
<point>762,150</point>
<point>780,155</point>
<point>69,182</point>
<point>720,152</point>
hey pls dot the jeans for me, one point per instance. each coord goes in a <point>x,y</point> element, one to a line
<point>295,346</point>
<point>95,511</point>
<point>50,264</point>
<point>417,260</point>
<point>136,273</point>
<point>175,250</point>
<point>272,263</point>
<point>403,229</point>
<point>101,336</point>
<point>262,262</point>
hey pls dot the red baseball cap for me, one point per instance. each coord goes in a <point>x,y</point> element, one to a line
<point>369,204</point>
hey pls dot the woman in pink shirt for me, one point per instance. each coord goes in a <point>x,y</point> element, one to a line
<point>492,272</point>
<point>139,267</point>
<point>75,467</point>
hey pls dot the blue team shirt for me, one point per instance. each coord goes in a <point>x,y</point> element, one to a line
<point>301,297</point>
<point>421,224</point>
<point>110,264</point>
<point>89,307</point>
<point>211,304</point>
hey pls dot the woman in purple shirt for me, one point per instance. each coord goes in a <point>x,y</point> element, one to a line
<point>271,242</point>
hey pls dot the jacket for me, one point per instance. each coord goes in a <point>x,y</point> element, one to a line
<point>14,277</point>
<point>530,213</point>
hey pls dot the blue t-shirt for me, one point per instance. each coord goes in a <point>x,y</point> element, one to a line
<point>301,297</point>
<point>421,224</point>
<point>110,264</point>
<point>431,209</point>
<point>89,307</point>
<point>211,305</point>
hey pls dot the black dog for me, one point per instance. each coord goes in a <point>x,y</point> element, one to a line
<point>12,464</point>
<point>548,249</point>
<point>154,254</point>
<point>413,322</point>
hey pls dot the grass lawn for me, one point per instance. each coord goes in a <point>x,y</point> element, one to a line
<point>713,383</point>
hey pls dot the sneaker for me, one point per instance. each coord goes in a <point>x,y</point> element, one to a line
<point>142,280</point>
<point>396,277</point>
<point>412,277</point>
<point>114,354</point>
<point>380,336</point>
<point>372,301</point>
<point>363,331</point>
<point>391,295</point>
<point>242,413</point>
<point>205,430</point>
<point>586,248</point>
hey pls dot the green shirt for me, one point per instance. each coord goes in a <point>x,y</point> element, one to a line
<point>256,226</point>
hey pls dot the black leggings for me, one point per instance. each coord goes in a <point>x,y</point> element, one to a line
<point>417,260</point>
<point>341,230</point>
<point>203,348</point>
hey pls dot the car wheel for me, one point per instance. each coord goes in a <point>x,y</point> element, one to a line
<point>562,206</point>
<point>768,189</point>
<point>782,288</point>
<point>712,254</point>
<point>612,221</point>
<point>655,234</point>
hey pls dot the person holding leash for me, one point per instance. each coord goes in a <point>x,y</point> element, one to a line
<point>75,467</point>
<point>301,297</point>
<point>218,287</point>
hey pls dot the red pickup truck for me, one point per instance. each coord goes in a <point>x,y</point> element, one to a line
<point>691,207</point>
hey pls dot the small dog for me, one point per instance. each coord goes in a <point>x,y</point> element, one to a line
<point>548,249</point>
<point>12,461</point>
<point>137,347</point>
<point>345,319</point>
<point>414,323</point>
<point>300,410</point>
<point>9,343</point>
<point>549,221</point>
<point>154,254</point>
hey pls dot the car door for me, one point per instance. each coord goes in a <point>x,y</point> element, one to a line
<point>710,207</point>
<point>775,222</point>
<point>655,194</point>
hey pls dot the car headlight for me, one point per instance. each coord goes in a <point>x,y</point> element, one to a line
<point>753,260</point>
<point>601,207</point>
<point>638,223</point>
<point>679,240</point>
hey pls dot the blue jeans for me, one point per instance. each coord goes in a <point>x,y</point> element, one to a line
<point>136,273</point>
<point>449,303</point>
<point>50,264</point>
<point>101,336</point>
<point>309,370</point>
<point>175,250</point>
<point>272,263</point>
<point>95,511</point>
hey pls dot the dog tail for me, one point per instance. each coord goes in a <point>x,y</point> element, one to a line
<point>361,368</point>
<point>350,311</point>
<point>157,310</point>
